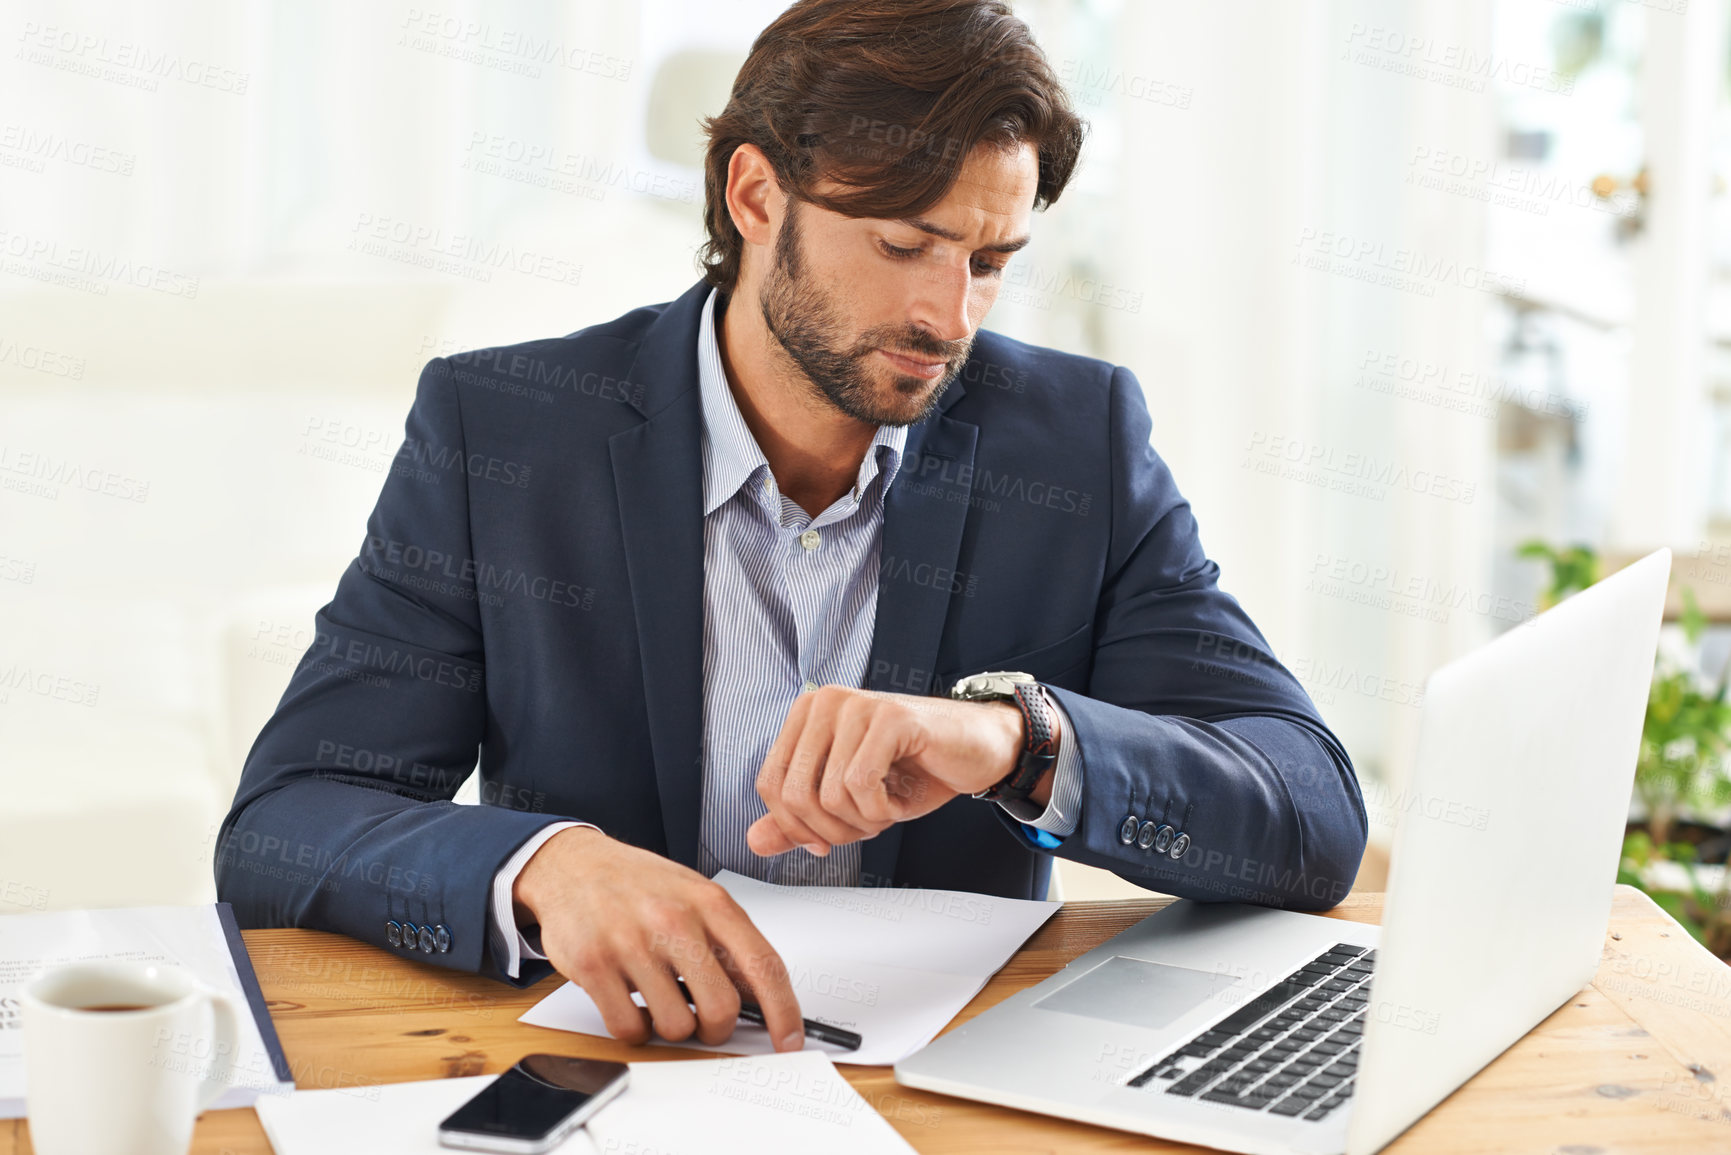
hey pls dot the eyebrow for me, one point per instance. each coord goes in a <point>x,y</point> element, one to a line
<point>937,230</point>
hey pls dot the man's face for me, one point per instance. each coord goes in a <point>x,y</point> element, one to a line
<point>880,315</point>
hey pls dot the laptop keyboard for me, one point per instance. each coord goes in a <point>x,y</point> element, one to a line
<point>1292,1050</point>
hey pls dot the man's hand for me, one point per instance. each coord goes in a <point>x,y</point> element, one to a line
<point>615,918</point>
<point>848,763</point>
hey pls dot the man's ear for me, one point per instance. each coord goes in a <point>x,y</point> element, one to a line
<point>754,197</point>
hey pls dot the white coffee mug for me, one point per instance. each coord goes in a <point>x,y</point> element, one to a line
<point>120,1058</point>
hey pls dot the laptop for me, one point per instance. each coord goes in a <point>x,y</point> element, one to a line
<point>1271,1031</point>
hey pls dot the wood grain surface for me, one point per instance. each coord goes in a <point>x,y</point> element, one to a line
<point>1640,1061</point>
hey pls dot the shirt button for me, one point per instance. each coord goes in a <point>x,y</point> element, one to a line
<point>810,686</point>
<point>810,539</point>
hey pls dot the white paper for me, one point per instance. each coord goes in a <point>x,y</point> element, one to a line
<point>895,965</point>
<point>186,936</point>
<point>792,1102</point>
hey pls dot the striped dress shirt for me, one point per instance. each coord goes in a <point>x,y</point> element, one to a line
<point>789,604</point>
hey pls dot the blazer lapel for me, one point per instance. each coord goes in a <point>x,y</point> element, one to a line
<point>658,473</point>
<point>924,514</point>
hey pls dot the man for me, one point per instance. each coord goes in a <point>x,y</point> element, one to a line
<point>698,596</point>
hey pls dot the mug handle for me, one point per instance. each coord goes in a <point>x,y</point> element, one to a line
<point>225,1041</point>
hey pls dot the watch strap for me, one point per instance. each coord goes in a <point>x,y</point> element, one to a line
<point>1039,746</point>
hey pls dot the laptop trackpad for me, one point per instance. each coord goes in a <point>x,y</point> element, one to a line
<point>1142,994</point>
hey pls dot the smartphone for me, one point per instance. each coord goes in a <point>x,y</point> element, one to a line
<point>535,1105</point>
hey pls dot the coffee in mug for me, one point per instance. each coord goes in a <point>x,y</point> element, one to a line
<point>120,1058</point>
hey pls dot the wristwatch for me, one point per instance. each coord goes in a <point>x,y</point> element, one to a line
<point>1039,728</point>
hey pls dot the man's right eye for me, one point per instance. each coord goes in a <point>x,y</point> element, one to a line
<point>897,252</point>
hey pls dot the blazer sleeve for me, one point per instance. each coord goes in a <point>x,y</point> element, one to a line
<point>343,818</point>
<point>1189,720</point>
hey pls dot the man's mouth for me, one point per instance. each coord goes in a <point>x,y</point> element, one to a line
<point>919,367</point>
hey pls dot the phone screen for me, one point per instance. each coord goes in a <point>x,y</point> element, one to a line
<point>534,1097</point>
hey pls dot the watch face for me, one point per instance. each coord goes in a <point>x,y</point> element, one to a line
<point>996,684</point>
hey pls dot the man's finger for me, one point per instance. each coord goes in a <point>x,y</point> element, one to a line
<point>852,721</point>
<point>624,1018</point>
<point>774,767</point>
<point>674,1018</point>
<point>772,776</point>
<point>716,997</point>
<point>754,963</point>
<point>869,778</point>
<point>792,726</point>
<point>797,807</point>
<point>766,838</point>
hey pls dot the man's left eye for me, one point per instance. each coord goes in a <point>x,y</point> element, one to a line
<point>982,268</point>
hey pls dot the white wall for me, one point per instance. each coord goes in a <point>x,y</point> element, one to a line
<point>255,415</point>
<point>1259,131</point>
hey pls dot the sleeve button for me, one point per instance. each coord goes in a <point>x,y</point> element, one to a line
<point>1179,845</point>
<point>1145,836</point>
<point>1127,830</point>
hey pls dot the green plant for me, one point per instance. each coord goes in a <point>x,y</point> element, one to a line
<point>1700,910</point>
<point>1573,568</point>
<point>1683,739</point>
<point>1681,768</point>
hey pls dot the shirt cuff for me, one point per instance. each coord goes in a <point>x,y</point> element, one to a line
<point>510,947</point>
<point>1063,809</point>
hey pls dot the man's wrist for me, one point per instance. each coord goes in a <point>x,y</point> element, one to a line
<point>1041,794</point>
<point>523,890</point>
<point>505,934</point>
<point>1036,730</point>
<point>1048,820</point>
<point>1012,737</point>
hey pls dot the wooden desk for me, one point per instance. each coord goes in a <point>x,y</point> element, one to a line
<point>1639,1061</point>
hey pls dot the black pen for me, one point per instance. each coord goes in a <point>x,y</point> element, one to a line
<point>822,1032</point>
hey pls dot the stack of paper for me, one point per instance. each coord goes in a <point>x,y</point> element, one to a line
<point>202,939</point>
<point>895,965</point>
<point>792,1102</point>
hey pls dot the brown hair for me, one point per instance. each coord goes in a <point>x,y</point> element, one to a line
<point>886,98</point>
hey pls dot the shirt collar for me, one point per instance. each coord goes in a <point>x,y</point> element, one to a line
<point>731,456</point>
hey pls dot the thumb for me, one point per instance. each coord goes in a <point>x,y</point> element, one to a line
<point>766,839</point>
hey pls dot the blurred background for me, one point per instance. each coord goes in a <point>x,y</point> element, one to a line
<point>1408,284</point>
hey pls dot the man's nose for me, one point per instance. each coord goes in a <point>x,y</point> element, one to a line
<point>942,310</point>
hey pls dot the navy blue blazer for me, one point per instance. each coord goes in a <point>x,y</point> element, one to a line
<point>531,589</point>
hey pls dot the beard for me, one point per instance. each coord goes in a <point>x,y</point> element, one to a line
<point>806,324</point>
